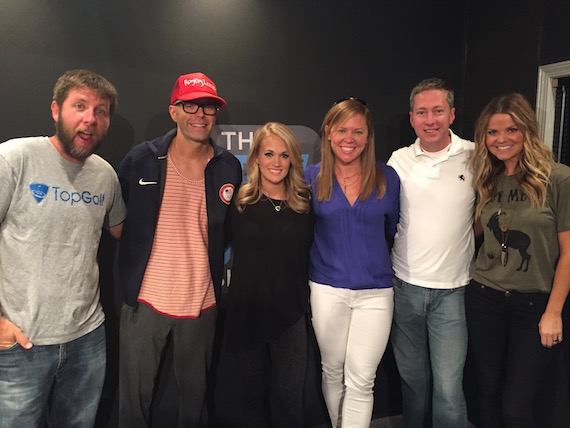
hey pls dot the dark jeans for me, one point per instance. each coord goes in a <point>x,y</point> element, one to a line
<point>509,358</point>
<point>273,377</point>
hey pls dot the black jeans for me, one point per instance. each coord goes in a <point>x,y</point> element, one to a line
<point>509,358</point>
<point>273,378</point>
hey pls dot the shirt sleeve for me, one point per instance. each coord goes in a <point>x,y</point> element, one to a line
<point>117,210</point>
<point>563,202</point>
<point>8,185</point>
<point>393,192</point>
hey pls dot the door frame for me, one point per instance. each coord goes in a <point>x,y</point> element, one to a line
<point>546,97</point>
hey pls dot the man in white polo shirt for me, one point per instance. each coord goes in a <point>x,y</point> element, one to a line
<point>433,249</point>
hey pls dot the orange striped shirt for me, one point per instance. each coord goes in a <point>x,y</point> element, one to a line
<point>177,281</point>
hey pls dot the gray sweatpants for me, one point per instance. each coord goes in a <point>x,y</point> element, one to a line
<point>143,338</point>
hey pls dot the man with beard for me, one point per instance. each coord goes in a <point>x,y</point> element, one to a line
<point>56,197</point>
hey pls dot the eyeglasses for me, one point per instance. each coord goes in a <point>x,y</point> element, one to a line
<point>364,103</point>
<point>191,108</point>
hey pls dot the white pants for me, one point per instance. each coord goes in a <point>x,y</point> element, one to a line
<point>352,329</point>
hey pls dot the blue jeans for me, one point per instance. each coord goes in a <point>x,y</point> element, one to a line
<point>60,384</point>
<point>429,339</point>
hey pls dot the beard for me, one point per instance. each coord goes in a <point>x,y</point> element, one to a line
<point>66,137</point>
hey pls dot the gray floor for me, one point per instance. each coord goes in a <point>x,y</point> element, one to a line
<point>390,422</point>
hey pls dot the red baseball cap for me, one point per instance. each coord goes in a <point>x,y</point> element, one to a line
<point>194,86</point>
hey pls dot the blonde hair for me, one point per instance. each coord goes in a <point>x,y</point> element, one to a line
<point>298,192</point>
<point>535,163</point>
<point>372,175</point>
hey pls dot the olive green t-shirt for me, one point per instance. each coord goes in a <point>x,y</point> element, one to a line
<point>529,234</point>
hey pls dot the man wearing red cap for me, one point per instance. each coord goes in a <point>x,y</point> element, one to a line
<point>177,188</point>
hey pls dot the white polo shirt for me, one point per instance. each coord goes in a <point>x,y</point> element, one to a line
<point>434,242</point>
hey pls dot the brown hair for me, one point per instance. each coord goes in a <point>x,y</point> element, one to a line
<point>83,78</point>
<point>372,175</point>
<point>430,84</point>
<point>535,162</point>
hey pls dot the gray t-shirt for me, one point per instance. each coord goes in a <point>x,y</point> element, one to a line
<point>51,216</point>
<point>530,235</point>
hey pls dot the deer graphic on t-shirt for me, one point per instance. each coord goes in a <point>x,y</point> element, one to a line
<point>511,239</point>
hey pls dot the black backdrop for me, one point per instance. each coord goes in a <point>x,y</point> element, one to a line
<point>274,60</point>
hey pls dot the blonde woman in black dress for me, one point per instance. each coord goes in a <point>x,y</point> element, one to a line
<point>272,231</point>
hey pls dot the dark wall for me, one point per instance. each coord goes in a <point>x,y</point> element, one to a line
<point>272,60</point>
<point>507,42</point>
<point>554,32</point>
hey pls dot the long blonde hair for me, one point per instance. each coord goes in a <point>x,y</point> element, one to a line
<point>535,163</point>
<point>298,192</point>
<point>372,175</point>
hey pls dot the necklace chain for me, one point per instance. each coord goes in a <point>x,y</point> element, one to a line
<point>504,238</point>
<point>277,207</point>
<point>345,179</point>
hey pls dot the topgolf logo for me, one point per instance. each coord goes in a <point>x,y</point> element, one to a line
<point>40,191</point>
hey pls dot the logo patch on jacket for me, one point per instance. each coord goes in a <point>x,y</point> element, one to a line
<point>39,191</point>
<point>226,193</point>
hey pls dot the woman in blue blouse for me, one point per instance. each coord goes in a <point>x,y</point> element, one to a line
<point>356,206</point>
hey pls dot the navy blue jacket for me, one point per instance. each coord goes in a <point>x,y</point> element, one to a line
<point>142,174</point>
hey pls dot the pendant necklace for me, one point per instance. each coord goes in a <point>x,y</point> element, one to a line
<point>345,179</point>
<point>504,237</point>
<point>277,207</point>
